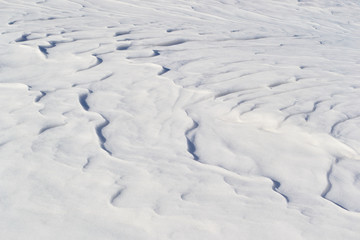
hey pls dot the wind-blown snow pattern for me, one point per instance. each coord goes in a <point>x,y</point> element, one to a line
<point>216,119</point>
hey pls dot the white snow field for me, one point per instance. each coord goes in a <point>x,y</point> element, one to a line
<point>179,119</point>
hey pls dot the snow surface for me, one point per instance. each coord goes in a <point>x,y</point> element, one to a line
<point>179,119</point>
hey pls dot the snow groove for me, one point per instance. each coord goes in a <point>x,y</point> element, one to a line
<point>190,139</point>
<point>99,127</point>
<point>83,102</point>
<point>44,48</point>
<point>163,71</point>
<point>23,38</point>
<point>116,196</point>
<point>329,185</point>
<point>97,62</point>
<point>44,129</point>
<point>99,131</point>
<point>340,122</point>
<point>39,97</point>
<point>276,186</point>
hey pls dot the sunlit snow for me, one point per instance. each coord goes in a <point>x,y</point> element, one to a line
<point>179,119</point>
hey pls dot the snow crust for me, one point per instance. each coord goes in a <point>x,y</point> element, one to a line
<point>217,119</point>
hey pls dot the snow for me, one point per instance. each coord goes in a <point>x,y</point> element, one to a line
<point>217,119</point>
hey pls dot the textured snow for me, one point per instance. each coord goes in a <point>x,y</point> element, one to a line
<point>216,119</point>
